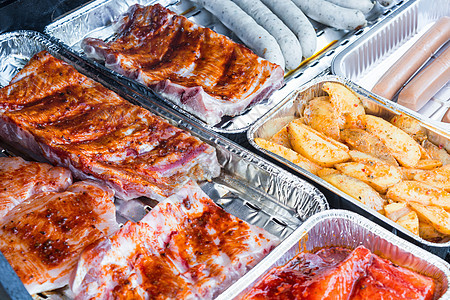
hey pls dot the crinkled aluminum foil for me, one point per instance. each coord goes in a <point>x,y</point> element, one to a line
<point>346,229</point>
<point>368,58</point>
<point>249,187</point>
<point>292,107</point>
<point>96,19</point>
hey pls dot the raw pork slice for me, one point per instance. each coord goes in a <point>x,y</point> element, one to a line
<point>20,180</point>
<point>80,124</point>
<point>42,237</point>
<point>185,248</point>
<point>200,70</point>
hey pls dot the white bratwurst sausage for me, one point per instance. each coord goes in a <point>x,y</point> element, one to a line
<point>332,15</point>
<point>296,20</point>
<point>363,5</point>
<point>289,44</point>
<point>251,34</point>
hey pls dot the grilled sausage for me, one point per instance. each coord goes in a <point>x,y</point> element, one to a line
<point>426,83</point>
<point>410,62</point>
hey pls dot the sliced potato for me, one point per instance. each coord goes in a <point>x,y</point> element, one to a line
<point>439,177</point>
<point>366,142</point>
<point>411,126</point>
<point>346,103</point>
<point>427,232</point>
<point>410,221</point>
<point>436,216</point>
<point>400,144</point>
<point>396,210</point>
<point>377,174</point>
<point>409,173</point>
<point>436,152</point>
<point>355,188</point>
<point>281,138</point>
<point>321,116</point>
<point>428,164</point>
<point>288,154</point>
<point>418,192</point>
<point>313,146</point>
<point>327,171</point>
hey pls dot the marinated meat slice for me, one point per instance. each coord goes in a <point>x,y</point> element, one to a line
<point>20,180</point>
<point>204,72</point>
<point>97,134</point>
<point>43,236</point>
<point>185,248</point>
<point>338,273</point>
<point>384,280</point>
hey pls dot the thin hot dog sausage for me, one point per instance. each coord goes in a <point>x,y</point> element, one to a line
<point>251,34</point>
<point>426,83</point>
<point>296,20</point>
<point>410,62</point>
<point>289,44</point>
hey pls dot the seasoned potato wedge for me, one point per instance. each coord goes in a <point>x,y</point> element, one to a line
<point>428,164</point>
<point>320,115</point>
<point>418,192</point>
<point>436,216</point>
<point>396,210</point>
<point>427,232</point>
<point>288,154</point>
<point>439,177</point>
<point>313,146</point>
<point>410,221</point>
<point>355,188</point>
<point>436,152</point>
<point>366,142</point>
<point>411,126</point>
<point>346,103</point>
<point>282,138</point>
<point>409,173</point>
<point>377,174</point>
<point>400,144</point>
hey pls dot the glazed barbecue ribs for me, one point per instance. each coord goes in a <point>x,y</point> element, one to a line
<point>204,72</point>
<point>56,112</point>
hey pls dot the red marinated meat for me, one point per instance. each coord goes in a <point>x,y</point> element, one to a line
<point>185,248</point>
<point>337,273</point>
<point>202,71</point>
<point>20,180</point>
<point>43,236</point>
<point>97,134</point>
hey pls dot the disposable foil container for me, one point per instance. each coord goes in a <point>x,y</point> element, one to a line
<point>346,229</point>
<point>365,60</point>
<point>249,187</point>
<point>97,18</point>
<point>292,107</point>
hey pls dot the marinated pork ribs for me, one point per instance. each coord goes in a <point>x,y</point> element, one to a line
<point>42,237</point>
<point>185,248</point>
<point>342,274</point>
<point>20,180</point>
<point>205,73</point>
<point>56,112</point>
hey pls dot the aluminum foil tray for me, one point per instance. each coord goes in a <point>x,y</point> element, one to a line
<point>96,20</point>
<point>249,187</point>
<point>364,61</point>
<point>346,229</point>
<point>292,106</point>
